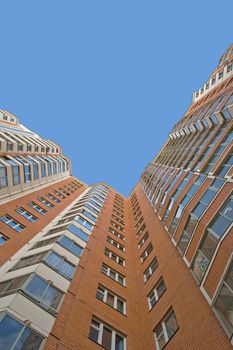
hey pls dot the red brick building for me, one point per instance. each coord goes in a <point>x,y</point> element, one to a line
<point>83,267</point>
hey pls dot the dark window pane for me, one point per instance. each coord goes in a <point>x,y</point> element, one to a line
<point>107,338</point>
<point>224,306</point>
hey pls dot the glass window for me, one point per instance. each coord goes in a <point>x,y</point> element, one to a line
<point>8,220</point>
<point>165,330</point>
<point>71,246</point>
<point>3,176</point>
<point>78,232</point>
<point>44,292</point>
<point>26,214</point>
<point>108,271</point>
<point>37,208</point>
<point>150,270</point>
<point>58,263</point>
<point>156,293</point>
<point>223,304</point>
<point>110,298</point>
<point>84,222</point>
<point>211,238</point>
<point>106,336</point>
<point>3,239</point>
<point>15,335</point>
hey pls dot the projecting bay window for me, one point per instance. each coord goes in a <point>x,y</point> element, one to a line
<point>35,166</point>
<point>226,166</point>
<point>116,276</point>
<point>16,334</point>
<point>78,232</point>
<point>106,336</point>
<point>191,192</point>
<point>26,168</point>
<point>84,222</point>
<point>89,215</point>
<point>223,302</point>
<point>3,176</point>
<point>165,330</point>
<point>111,299</point>
<point>210,240</point>
<point>8,220</point>
<point>114,257</point>
<point>15,171</point>
<point>50,258</point>
<point>36,288</point>
<point>197,212</point>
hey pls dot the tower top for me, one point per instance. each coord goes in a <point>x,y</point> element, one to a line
<point>222,72</point>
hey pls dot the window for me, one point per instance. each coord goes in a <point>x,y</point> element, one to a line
<point>110,298</point>
<point>197,212</point>
<point>146,252</point>
<point>59,195</point>
<point>15,171</point>
<point>3,239</point>
<point>37,208</point>
<point>3,176</point>
<point>26,168</point>
<point>156,293</point>
<point>165,330</point>
<point>47,203</point>
<point>89,215</point>
<point>84,222</point>
<point>225,167</point>
<point>106,336</point>
<point>114,257</point>
<point>115,244</point>
<point>71,246</point>
<point>8,220</point>
<point>26,214</point>
<point>150,270</point>
<point>52,259</point>
<point>116,276</point>
<point>210,240</point>
<point>143,240</point>
<point>53,198</point>
<point>141,230</point>
<point>16,335</point>
<point>59,264</point>
<point>117,234</point>
<point>94,210</point>
<point>78,232</point>
<point>223,302</point>
<point>37,288</point>
<point>117,226</point>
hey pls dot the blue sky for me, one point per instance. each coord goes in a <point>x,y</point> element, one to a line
<point>108,79</point>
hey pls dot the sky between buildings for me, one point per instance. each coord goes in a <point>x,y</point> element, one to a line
<point>107,79</point>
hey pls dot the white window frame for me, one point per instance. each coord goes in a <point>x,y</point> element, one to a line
<point>117,274</point>
<point>110,255</point>
<point>115,244</point>
<point>100,333</point>
<point>116,298</point>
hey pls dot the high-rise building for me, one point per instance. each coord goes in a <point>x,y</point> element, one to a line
<point>83,267</point>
